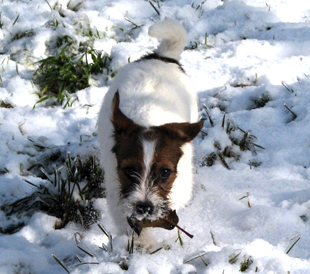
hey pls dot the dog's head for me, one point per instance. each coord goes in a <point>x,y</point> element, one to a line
<point>147,162</point>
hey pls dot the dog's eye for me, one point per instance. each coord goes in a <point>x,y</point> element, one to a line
<point>165,173</point>
<point>130,172</point>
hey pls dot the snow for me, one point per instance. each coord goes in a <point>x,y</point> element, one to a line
<point>240,51</point>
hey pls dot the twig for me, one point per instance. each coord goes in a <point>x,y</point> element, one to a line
<point>186,233</point>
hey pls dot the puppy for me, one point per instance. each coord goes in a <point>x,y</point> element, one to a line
<point>145,128</point>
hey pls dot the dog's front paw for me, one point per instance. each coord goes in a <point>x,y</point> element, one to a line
<point>146,240</point>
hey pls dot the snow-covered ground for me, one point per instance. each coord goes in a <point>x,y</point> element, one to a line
<point>247,59</point>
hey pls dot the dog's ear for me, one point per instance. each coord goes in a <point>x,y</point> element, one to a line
<point>184,131</point>
<point>119,120</point>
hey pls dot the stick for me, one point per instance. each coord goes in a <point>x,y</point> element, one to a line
<point>185,232</point>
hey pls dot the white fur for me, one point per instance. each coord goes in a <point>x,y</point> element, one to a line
<point>174,38</point>
<point>152,93</point>
<point>148,154</point>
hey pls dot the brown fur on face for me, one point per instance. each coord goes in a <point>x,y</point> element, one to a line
<point>128,148</point>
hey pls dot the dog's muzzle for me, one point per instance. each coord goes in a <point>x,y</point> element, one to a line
<point>169,221</point>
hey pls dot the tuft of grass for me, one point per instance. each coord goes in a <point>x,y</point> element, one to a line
<point>122,261</point>
<point>254,163</point>
<point>66,42</point>
<point>204,43</point>
<point>75,7</point>
<point>244,266</point>
<point>262,100</point>
<point>246,142</point>
<point>198,8</point>
<point>134,24</point>
<point>240,141</point>
<point>5,105</point>
<point>65,73</point>
<point>69,196</point>
<point>21,34</point>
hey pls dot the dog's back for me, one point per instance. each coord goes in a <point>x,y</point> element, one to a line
<point>153,91</point>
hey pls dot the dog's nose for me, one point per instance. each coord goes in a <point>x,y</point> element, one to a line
<point>144,207</point>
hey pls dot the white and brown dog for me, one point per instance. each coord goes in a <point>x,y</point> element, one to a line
<point>145,126</point>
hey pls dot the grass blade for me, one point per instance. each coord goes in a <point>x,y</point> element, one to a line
<point>180,238</point>
<point>154,8</point>
<point>16,20</point>
<point>30,183</point>
<point>213,238</point>
<point>60,263</point>
<point>233,259</point>
<point>293,245</point>
<point>207,111</point>
<point>295,116</point>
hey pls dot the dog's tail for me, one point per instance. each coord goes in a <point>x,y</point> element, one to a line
<point>173,35</point>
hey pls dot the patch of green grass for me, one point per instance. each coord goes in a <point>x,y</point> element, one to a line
<point>5,105</point>
<point>63,74</point>
<point>66,42</point>
<point>21,34</point>
<point>60,73</point>
<point>68,196</point>
<point>244,266</point>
